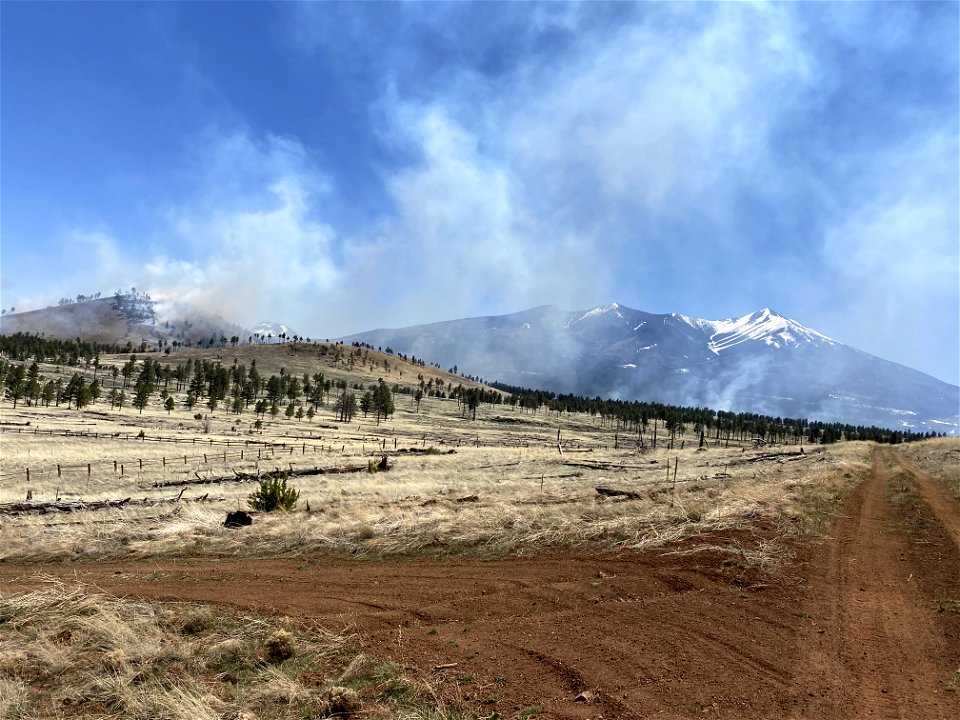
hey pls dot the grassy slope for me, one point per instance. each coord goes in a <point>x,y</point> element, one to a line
<point>523,492</point>
<point>93,320</point>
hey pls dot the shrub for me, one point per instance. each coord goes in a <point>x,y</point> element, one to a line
<point>341,701</point>
<point>274,494</point>
<point>278,647</point>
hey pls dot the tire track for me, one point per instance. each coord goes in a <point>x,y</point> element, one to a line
<point>873,647</point>
<point>943,506</point>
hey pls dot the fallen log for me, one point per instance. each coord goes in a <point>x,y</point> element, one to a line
<point>774,457</point>
<point>613,492</point>
<point>256,477</point>
<point>597,465</point>
<point>553,477</point>
<point>422,451</point>
<point>65,506</point>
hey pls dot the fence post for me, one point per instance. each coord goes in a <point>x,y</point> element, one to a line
<point>58,470</point>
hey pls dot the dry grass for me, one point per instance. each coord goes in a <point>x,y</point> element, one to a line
<point>73,653</point>
<point>528,496</point>
<point>939,458</point>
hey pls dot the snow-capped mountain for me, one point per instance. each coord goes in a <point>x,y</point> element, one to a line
<point>762,362</point>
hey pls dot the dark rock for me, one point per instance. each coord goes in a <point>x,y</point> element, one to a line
<point>238,518</point>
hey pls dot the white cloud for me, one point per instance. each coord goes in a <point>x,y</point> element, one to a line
<point>461,239</point>
<point>517,187</point>
<point>896,256</point>
<point>561,178</point>
<point>666,122</point>
<point>256,248</point>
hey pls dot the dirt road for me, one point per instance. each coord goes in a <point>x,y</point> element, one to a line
<point>865,625</point>
<point>883,636</point>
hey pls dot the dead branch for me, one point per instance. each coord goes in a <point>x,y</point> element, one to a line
<point>41,508</point>
<point>239,477</point>
<point>612,492</point>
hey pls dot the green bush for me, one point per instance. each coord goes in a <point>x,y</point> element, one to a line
<point>274,494</point>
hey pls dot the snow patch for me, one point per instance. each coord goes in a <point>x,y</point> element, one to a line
<point>766,326</point>
<point>602,310</point>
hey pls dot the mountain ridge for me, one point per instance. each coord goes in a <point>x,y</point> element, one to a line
<point>759,362</point>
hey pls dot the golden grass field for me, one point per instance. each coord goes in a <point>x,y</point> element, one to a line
<point>505,488</point>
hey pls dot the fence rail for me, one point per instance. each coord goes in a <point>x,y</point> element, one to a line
<point>126,467</point>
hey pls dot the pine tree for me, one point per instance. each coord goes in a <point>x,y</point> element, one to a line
<point>16,383</point>
<point>346,406</point>
<point>382,402</point>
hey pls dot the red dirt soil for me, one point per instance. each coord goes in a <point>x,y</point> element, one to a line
<point>866,625</point>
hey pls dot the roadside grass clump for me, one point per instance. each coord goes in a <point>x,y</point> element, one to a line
<point>939,458</point>
<point>71,652</point>
<point>947,605</point>
<point>274,494</point>
<point>279,647</point>
<point>820,497</point>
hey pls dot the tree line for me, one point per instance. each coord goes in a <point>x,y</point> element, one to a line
<point>239,389</point>
<point>645,418</point>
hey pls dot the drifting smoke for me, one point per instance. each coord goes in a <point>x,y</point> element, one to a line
<point>551,183</point>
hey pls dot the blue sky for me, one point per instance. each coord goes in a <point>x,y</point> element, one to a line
<point>344,166</point>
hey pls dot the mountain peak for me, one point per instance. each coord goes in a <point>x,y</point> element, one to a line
<point>766,326</point>
<point>599,310</point>
<point>757,362</point>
